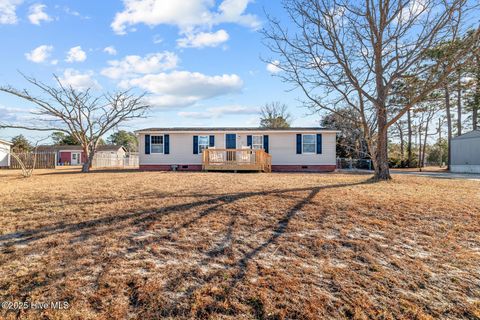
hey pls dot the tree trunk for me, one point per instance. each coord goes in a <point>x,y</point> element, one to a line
<point>425,137</point>
<point>419,164</point>
<point>409,142</point>
<point>402,151</point>
<point>459,104</point>
<point>87,165</point>
<point>382,172</point>
<point>449,122</point>
<point>476,99</point>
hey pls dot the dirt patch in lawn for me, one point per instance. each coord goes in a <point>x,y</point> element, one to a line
<point>240,246</point>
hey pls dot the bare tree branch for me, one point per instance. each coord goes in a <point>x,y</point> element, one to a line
<point>351,53</point>
<point>78,113</point>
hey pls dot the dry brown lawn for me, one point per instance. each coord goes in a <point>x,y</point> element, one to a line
<point>149,245</point>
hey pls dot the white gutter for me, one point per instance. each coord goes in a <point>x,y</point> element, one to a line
<point>6,142</point>
<point>233,131</point>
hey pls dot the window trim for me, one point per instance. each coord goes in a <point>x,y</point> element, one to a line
<point>314,143</point>
<point>261,141</point>
<point>208,143</point>
<point>163,144</point>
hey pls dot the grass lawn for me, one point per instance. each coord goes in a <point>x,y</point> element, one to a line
<point>239,246</point>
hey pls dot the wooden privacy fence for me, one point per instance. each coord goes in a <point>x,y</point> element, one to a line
<point>44,160</point>
<point>106,160</point>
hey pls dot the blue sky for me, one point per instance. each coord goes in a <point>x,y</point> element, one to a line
<point>200,60</point>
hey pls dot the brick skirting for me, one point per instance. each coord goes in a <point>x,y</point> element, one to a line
<point>275,168</point>
<point>168,167</point>
<point>303,168</point>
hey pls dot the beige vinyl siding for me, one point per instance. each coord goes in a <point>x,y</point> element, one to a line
<point>282,147</point>
<point>181,149</point>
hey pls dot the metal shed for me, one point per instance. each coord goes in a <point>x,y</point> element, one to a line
<point>465,153</point>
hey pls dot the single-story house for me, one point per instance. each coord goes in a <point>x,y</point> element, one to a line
<point>74,155</point>
<point>191,149</point>
<point>465,153</point>
<point>5,153</point>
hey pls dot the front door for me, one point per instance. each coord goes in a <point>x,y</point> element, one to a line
<point>75,158</point>
<point>231,141</point>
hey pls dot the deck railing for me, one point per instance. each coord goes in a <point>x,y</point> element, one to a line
<point>237,159</point>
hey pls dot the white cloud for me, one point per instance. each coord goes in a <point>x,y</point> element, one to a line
<point>133,65</point>
<point>11,115</point>
<point>273,67</point>
<point>110,50</point>
<point>76,54</point>
<point>75,13</point>
<point>170,102</point>
<point>218,112</point>
<point>183,88</point>
<point>157,39</point>
<point>37,14</point>
<point>414,10</point>
<point>233,11</point>
<point>187,15</point>
<point>78,80</point>
<point>8,11</point>
<point>203,39</point>
<point>39,54</point>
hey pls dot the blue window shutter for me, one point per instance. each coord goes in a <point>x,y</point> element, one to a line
<point>166,144</point>
<point>147,144</point>
<point>265,143</point>
<point>195,144</point>
<point>299,144</point>
<point>319,143</point>
<point>249,141</point>
<point>212,141</point>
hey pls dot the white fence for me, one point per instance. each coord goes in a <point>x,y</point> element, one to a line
<point>105,160</point>
<point>354,164</point>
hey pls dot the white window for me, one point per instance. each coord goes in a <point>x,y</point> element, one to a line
<point>309,143</point>
<point>203,143</point>
<point>156,145</point>
<point>257,142</point>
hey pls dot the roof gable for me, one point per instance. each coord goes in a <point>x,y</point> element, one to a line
<point>469,135</point>
<point>78,147</point>
<point>5,142</point>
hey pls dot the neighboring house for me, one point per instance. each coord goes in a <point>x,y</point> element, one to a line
<point>73,154</point>
<point>291,149</point>
<point>465,153</point>
<point>4,153</point>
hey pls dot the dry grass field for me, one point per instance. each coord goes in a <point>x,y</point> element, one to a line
<point>149,245</point>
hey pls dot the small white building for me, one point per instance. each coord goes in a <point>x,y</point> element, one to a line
<point>4,153</point>
<point>465,153</point>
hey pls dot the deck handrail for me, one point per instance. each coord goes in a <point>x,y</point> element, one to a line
<point>232,159</point>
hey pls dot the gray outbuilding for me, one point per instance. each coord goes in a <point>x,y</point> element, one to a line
<point>465,155</point>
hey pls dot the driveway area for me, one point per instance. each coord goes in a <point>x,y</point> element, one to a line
<point>441,175</point>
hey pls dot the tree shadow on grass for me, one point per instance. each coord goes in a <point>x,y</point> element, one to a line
<point>137,222</point>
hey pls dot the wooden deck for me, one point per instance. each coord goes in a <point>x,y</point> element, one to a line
<point>236,160</point>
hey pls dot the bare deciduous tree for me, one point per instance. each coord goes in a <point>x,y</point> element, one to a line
<point>353,52</point>
<point>275,115</point>
<point>78,113</point>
